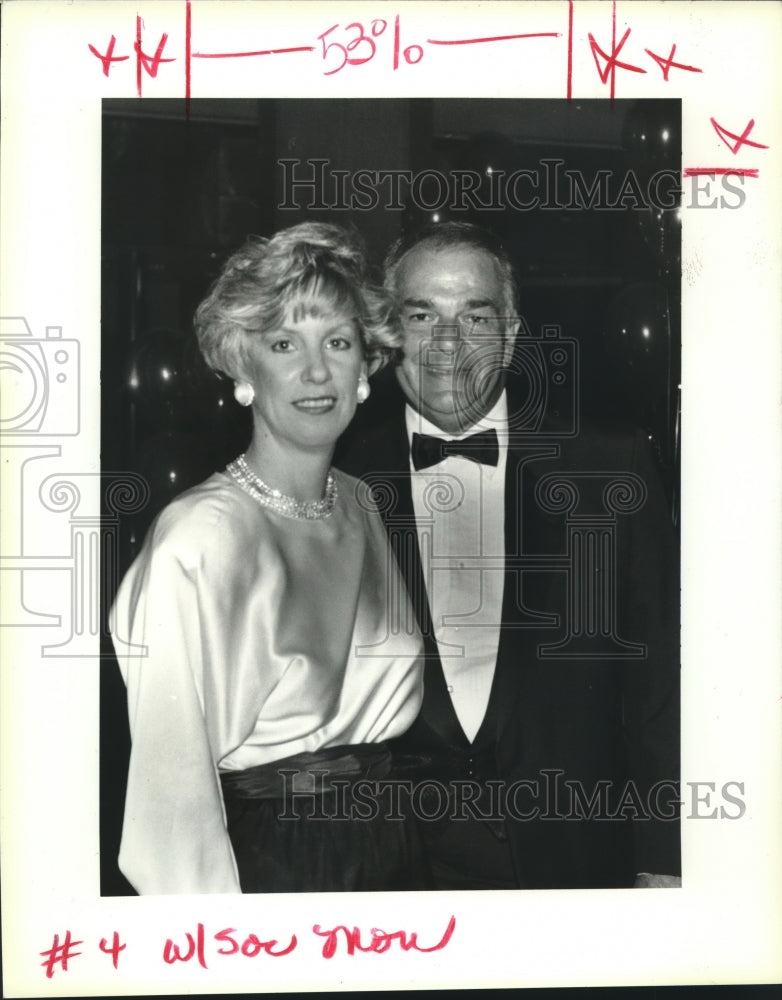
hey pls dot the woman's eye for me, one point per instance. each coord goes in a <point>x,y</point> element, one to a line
<point>281,346</point>
<point>340,343</point>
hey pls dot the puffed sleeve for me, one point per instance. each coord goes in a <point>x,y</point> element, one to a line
<point>174,838</point>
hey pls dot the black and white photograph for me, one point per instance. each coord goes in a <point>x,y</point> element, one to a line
<point>460,318</point>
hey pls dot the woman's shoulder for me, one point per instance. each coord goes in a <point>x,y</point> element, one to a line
<point>211,515</point>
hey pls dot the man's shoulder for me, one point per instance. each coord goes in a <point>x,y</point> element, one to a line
<point>369,447</point>
<point>589,441</point>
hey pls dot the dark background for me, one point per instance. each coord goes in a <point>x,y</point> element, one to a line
<point>181,193</point>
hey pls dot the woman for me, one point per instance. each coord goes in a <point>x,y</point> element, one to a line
<point>270,678</point>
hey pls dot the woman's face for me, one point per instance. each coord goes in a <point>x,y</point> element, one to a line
<point>305,376</point>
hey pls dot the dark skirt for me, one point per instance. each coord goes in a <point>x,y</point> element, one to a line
<point>323,822</point>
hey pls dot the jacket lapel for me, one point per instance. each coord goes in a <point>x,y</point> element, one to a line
<point>523,593</point>
<point>399,518</point>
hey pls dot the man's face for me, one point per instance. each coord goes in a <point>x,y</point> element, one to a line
<point>457,341</point>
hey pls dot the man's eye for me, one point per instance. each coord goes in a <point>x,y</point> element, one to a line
<point>420,317</point>
<point>282,346</point>
<point>473,320</point>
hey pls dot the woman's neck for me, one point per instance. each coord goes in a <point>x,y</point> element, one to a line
<point>298,474</point>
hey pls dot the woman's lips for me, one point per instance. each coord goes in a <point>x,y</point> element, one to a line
<point>316,404</point>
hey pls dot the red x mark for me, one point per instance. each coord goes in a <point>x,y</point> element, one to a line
<point>611,61</point>
<point>741,140</point>
<point>109,58</point>
<point>150,63</point>
<point>666,64</point>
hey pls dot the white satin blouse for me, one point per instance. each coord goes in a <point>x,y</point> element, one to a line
<point>263,637</point>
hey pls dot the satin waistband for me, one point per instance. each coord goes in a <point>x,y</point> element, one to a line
<point>313,772</point>
<point>446,764</point>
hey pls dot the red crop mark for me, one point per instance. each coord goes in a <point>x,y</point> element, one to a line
<point>612,63</point>
<point>740,140</point>
<point>256,52</point>
<point>493,38</point>
<point>188,55</point>
<point>570,50</point>
<point>151,64</point>
<point>701,171</point>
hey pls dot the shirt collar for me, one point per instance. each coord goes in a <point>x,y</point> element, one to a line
<point>497,417</point>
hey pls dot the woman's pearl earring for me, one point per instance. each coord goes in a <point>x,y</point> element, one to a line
<point>244,393</point>
<point>363,390</point>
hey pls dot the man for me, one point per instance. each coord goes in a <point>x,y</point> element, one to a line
<point>542,567</point>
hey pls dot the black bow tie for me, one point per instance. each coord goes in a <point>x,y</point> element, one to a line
<point>481,447</point>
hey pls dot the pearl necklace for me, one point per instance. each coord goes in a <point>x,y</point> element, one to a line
<point>266,496</point>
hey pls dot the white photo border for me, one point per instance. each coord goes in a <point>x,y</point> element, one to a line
<point>724,924</point>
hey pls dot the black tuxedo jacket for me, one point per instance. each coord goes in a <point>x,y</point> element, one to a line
<point>581,734</point>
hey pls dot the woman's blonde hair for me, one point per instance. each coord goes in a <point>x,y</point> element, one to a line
<point>308,270</point>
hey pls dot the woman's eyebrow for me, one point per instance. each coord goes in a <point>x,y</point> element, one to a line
<point>343,319</point>
<point>269,333</point>
<point>338,324</point>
